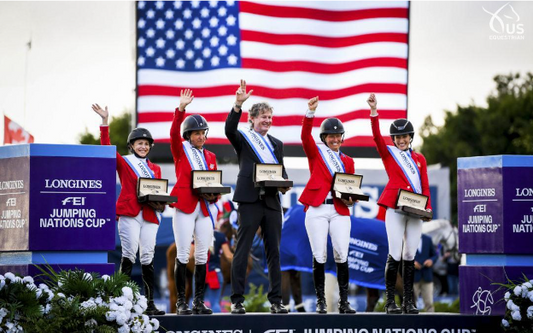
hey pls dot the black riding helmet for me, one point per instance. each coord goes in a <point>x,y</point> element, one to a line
<point>139,133</point>
<point>401,127</point>
<point>331,126</point>
<point>193,122</point>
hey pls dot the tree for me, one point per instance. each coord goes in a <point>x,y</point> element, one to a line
<point>119,128</point>
<point>505,126</point>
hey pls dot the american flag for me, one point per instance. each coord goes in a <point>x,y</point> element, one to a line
<point>287,52</point>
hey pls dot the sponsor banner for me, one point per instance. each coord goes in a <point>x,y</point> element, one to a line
<point>479,293</point>
<point>57,197</point>
<point>72,203</point>
<point>480,213</point>
<point>495,204</point>
<point>332,323</point>
<point>14,203</point>
<point>518,209</point>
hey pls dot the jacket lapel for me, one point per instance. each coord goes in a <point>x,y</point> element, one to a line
<point>415,158</point>
<point>150,165</point>
<point>209,160</point>
<point>275,146</point>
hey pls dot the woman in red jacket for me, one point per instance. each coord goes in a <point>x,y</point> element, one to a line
<point>137,223</point>
<point>407,170</point>
<point>325,213</point>
<point>195,214</point>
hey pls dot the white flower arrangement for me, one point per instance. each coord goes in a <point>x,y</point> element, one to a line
<point>519,307</point>
<point>76,301</point>
<point>13,290</point>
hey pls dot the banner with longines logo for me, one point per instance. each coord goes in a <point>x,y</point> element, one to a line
<point>495,213</point>
<point>14,203</point>
<point>57,197</point>
<point>495,204</point>
<point>480,213</point>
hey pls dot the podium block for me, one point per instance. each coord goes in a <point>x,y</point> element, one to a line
<point>57,203</point>
<point>495,204</point>
<point>495,215</point>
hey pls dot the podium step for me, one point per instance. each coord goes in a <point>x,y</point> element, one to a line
<point>330,323</point>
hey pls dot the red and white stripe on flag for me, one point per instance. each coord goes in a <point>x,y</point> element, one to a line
<point>287,52</point>
<point>14,133</point>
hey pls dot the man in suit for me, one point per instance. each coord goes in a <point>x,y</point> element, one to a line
<point>424,259</point>
<point>258,207</point>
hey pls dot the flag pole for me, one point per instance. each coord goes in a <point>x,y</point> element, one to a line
<point>26,77</point>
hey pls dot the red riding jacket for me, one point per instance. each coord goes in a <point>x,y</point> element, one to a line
<point>187,200</point>
<point>397,179</point>
<point>320,181</point>
<point>127,204</point>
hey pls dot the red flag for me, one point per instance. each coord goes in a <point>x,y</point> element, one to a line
<point>14,133</point>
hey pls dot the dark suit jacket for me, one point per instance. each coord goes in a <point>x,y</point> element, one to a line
<point>245,192</point>
<point>428,252</point>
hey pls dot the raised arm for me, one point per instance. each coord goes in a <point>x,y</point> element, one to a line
<point>176,147</point>
<point>308,142</point>
<point>104,130</point>
<point>232,122</point>
<point>105,140</point>
<point>376,132</point>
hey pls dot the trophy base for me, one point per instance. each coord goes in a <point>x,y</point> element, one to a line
<point>213,190</point>
<point>274,183</point>
<point>418,213</point>
<point>157,198</point>
<point>354,196</point>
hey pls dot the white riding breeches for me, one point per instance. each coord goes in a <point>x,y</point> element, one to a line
<point>402,230</point>
<point>324,219</point>
<point>186,226</point>
<point>137,235</point>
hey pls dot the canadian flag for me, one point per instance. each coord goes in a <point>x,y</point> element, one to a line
<point>14,133</point>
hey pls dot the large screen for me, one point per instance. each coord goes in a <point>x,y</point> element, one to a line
<point>288,52</point>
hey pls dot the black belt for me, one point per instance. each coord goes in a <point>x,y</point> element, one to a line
<point>328,202</point>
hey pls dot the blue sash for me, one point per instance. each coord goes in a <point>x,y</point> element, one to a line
<point>142,170</point>
<point>139,167</point>
<point>408,166</point>
<point>262,148</point>
<point>331,159</point>
<point>197,161</point>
